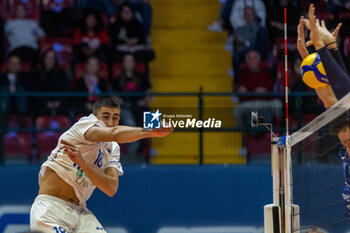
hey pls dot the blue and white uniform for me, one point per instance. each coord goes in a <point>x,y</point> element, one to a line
<point>346,169</point>
<point>52,214</point>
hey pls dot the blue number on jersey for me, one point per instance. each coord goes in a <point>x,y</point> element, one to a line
<point>59,230</point>
<point>98,160</point>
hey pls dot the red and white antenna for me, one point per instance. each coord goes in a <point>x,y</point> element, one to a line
<point>286,69</point>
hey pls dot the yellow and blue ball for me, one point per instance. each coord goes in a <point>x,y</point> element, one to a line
<point>313,73</point>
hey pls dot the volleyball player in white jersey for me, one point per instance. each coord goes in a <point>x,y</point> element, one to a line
<point>86,157</point>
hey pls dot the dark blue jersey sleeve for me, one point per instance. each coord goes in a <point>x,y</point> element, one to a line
<point>336,54</point>
<point>338,78</point>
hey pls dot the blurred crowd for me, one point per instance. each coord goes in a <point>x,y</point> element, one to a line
<point>89,46</point>
<point>256,39</point>
<point>81,46</point>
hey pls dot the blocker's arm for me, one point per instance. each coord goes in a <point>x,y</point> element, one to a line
<point>337,77</point>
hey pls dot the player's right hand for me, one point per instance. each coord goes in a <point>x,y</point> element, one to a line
<point>301,46</point>
<point>313,25</point>
<point>72,151</point>
<point>320,35</point>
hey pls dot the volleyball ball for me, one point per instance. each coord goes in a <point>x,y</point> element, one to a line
<point>313,73</point>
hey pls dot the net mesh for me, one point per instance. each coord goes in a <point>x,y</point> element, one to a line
<point>318,183</point>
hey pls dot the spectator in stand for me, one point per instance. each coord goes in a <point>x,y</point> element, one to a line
<point>106,6</point>
<point>133,106</point>
<point>224,19</point>
<point>91,83</point>
<point>91,38</point>
<point>14,81</point>
<point>23,34</point>
<point>336,7</point>
<point>58,19</point>
<point>111,7</point>
<point>145,9</point>
<point>224,23</point>
<point>250,36</point>
<point>276,16</point>
<point>127,34</point>
<point>237,12</point>
<point>53,79</point>
<point>259,80</point>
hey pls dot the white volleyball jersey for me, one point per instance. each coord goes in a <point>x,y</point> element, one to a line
<point>98,154</point>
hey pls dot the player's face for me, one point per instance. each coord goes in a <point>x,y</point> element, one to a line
<point>110,116</point>
<point>344,137</point>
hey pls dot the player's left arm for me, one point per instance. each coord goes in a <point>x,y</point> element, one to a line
<point>326,94</point>
<point>107,181</point>
<point>321,37</point>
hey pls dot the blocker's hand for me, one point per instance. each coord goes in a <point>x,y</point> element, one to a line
<point>301,46</point>
<point>72,151</point>
<point>320,35</point>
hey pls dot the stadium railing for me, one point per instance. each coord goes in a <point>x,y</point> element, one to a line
<point>203,105</point>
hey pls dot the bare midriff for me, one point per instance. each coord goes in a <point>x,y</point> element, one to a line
<point>53,185</point>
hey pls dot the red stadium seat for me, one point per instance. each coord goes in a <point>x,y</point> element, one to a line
<point>18,143</point>
<point>25,67</point>
<point>258,144</point>
<point>80,70</point>
<point>63,48</point>
<point>3,7</point>
<point>344,15</point>
<point>117,68</point>
<point>57,5</point>
<point>33,7</point>
<point>325,16</point>
<point>47,140</point>
<point>320,5</point>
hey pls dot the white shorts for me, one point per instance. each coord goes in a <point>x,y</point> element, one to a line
<point>50,214</point>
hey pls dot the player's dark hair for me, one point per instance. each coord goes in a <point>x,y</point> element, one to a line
<point>340,123</point>
<point>105,102</point>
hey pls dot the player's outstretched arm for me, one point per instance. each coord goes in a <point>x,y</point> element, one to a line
<point>301,46</point>
<point>338,79</point>
<point>328,38</point>
<point>123,134</point>
<point>107,181</point>
<point>326,94</point>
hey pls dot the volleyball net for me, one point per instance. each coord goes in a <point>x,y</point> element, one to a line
<point>308,178</point>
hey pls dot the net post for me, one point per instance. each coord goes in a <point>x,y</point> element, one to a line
<point>275,170</point>
<point>288,186</point>
<point>292,214</point>
<point>272,212</point>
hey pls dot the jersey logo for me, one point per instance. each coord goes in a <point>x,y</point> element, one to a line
<point>98,161</point>
<point>79,177</point>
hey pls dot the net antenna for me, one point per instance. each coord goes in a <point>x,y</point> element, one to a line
<point>282,216</point>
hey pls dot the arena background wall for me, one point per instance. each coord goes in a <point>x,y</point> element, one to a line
<point>157,199</point>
